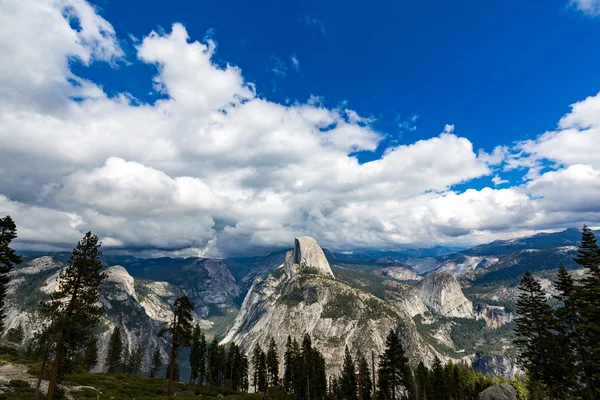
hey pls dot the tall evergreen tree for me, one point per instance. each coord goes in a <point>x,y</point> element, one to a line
<point>273,363</point>
<point>588,297</point>
<point>569,342</point>
<point>534,339</point>
<point>126,359</point>
<point>217,364</point>
<point>8,258</point>
<point>156,362</point>
<point>440,389</point>
<point>259,361</point>
<point>74,308</point>
<point>393,368</point>
<point>136,360</point>
<point>365,384</point>
<point>421,378</point>
<point>202,360</point>
<point>348,378</point>
<point>195,354</point>
<point>90,357</point>
<point>288,366</point>
<point>115,351</point>
<point>180,332</point>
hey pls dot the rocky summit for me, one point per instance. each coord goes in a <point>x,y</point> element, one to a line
<point>301,296</point>
<point>441,292</point>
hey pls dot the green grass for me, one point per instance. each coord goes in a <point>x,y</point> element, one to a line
<point>120,386</point>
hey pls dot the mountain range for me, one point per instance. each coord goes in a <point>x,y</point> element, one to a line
<point>452,304</point>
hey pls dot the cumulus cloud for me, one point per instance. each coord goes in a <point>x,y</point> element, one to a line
<point>213,169</point>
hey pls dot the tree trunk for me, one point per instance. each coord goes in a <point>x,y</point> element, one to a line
<point>55,368</point>
<point>172,357</point>
<point>39,382</point>
<point>171,371</point>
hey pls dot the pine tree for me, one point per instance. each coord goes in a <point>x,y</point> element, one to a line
<point>8,258</point>
<point>243,370</point>
<point>126,360</point>
<point>533,337</point>
<point>273,363</point>
<point>393,368</point>
<point>288,366</point>
<point>115,351</point>
<point>136,360</point>
<point>348,377</point>
<point>319,382</point>
<point>156,362</point>
<point>180,331</point>
<point>421,378</point>
<point>300,370</point>
<point>202,360</point>
<point>569,343</point>
<point>259,361</point>
<point>440,389</point>
<point>588,298</point>
<point>195,354</point>
<point>73,309</point>
<point>90,357</point>
<point>365,384</point>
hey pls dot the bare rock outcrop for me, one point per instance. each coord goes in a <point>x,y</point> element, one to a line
<point>441,292</point>
<point>503,391</point>
<point>308,255</point>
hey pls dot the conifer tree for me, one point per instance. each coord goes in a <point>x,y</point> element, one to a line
<point>180,332</point>
<point>588,297</point>
<point>90,357</point>
<point>115,351</point>
<point>156,362</point>
<point>421,378</point>
<point>288,366</point>
<point>569,343</point>
<point>126,360</point>
<point>273,363</point>
<point>136,360</point>
<point>533,337</point>
<point>299,372</point>
<point>243,370</point>
<point>259,361</point>
<point>365,384</point>
<point>195,354</point>
<point>319,383</point>
<point>393,368</point>
<point>202,359</point>
<point>8,259</point>
<point>73,309</point>
<point>348,378</point>
<point>440,390</point>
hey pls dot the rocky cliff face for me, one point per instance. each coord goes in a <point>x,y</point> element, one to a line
<point>139,306</point>
<point>302,296</point>
<point>441,292</point>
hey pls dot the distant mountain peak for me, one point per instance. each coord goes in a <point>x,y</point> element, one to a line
<point>308,255</point>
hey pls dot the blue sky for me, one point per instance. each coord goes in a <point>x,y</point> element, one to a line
<point>500,71</point>
<point>367,126</point>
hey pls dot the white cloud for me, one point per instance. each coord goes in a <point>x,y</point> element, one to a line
<point>589,7</point>
<point>214,168</point>
<point>496,180</point>
<point>295,62</point>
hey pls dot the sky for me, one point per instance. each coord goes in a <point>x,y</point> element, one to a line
<point>229,128</point>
